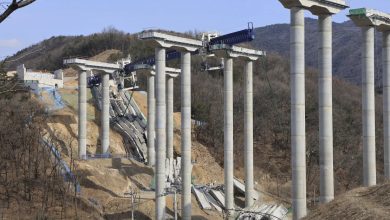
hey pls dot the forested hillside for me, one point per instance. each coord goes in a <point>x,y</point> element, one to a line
<point>347,43</point>
<point>271,101</point>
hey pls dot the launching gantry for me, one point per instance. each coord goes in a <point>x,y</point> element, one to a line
<point>368,20</point>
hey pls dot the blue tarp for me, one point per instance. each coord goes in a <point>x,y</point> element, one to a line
<point>55,97</point>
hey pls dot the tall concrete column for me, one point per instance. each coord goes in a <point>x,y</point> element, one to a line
<point>325,108</point>
<point>186,166</point>
<point>228,137</point>
<point>248,134</point>
<point>169,117</point>
<point>105,116</point>
<point>386,101</point>
<point>298,133</point>
<point>160,133</point>
<point>82,135</point>
<point>368,89</point>
<point>151,121</point>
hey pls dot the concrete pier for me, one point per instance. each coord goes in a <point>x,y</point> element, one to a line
<point>368,97</point>
<point>160,133</point>
<point>107,68</point>
<point>248,134</point>
<point>105,116</point>
<point>368,20</point>
<point>325,108</point>
<point>228,137</point>
<point>324,9</point>
<point>164,40</point>
<point>186,134</point>
<point>151,120</point>
<point>386,101</point>
<point>82,120</point>
<point>298,133</point>
<point>228,53</point>
<point>169,92</point>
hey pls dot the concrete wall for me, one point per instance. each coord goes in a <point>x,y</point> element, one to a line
<point>44,79</point>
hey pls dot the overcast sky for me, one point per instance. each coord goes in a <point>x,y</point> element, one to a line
<point>46,18</point>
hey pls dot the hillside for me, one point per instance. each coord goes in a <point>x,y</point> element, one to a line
<point>49,54</point>
<point>359,204</point>
<point>271,110</point>
<point>346,47</point>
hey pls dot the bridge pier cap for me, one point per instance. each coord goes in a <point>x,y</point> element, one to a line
<point>151,70</point>
<point>364,17</point>
<point>317,7</point>
<point>165,40</point>
<point>227,51</point>
<point>87,65</point>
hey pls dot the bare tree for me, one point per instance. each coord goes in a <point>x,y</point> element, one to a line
<point>13,6</point>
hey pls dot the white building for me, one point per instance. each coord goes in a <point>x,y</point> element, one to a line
<point>37,80</point>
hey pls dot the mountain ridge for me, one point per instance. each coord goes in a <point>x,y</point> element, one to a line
<point>347,41</point>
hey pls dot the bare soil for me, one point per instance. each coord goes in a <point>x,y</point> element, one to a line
<point>360,204</point>
<point>104,186</point>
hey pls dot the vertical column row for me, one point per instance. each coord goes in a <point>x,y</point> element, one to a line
<point>169,92</point>
<point>186,134</point>
<point>368,97</point>
<point>248,134</point>
<point>160,133</point>
<point>228,137</point>
<point>386,101</point>
<point>105,117</point>
<point>325,109</point>
<point>82,132</point>
<point>151,120</point>
<point>298,133</point>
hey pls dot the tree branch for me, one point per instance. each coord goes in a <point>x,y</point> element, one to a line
<point>13,7</point>
<point>12,90</point>
<point>23,3</point>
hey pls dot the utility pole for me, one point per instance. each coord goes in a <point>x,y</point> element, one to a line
<point>132,193</point>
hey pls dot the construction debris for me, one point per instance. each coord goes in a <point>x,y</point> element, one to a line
<point>263,212</point>
<point>209,197</point>
<point>173,167</point>
<point>212,197</point>
<point>202,199</point>
<point>240,187</point>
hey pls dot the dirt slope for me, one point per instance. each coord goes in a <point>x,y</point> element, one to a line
<point>103,185</point>
<point>359,204</point>
<point>104,56</point>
